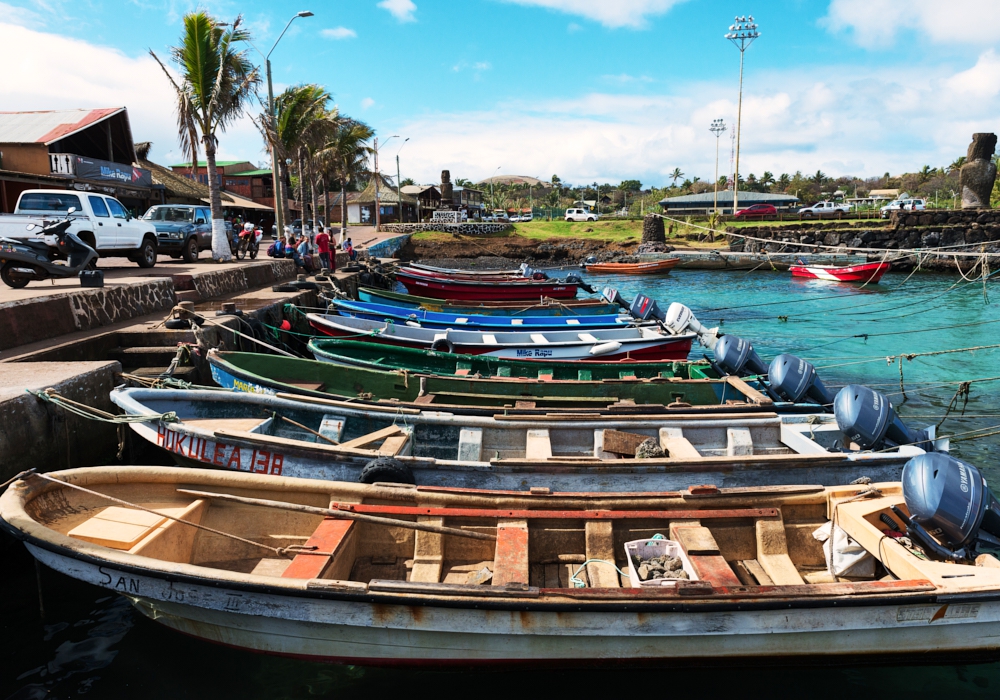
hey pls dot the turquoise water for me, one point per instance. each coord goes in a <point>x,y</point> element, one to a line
<point>91,644</point>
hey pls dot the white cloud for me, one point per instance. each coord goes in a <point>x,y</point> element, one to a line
<point>982,80</point>
<point>367,102</point>
<point>71,73</point>
<point>482,65</point>
<point>338,33</point>
<point>622,13</point>
<point>21,16</point>
<point>625,78</point>
<point>875,23</point>
<point>402,10</point>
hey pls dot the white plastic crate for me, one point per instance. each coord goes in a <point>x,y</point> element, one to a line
<point>656,548</point>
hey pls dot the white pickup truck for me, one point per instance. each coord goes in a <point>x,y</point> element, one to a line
<point>100,221</point>
<point>821,208</point>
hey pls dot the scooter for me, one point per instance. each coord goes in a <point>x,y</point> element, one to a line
<point>23,261</point>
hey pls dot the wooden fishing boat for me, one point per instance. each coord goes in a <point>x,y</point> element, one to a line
<point>586,451</point>
<point>472,290</point>
<point>435,319</point>
<point>673,387</point>
<point>638,343</point>
<point>426,271</point>
<point>653,267</point>
<point>539,307</point>
<point>469,273</point>
<point>869,273</point>
<point>339,572</point>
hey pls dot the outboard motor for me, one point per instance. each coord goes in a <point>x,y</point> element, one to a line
<point>531,273</point>
<point>950,498</point>
<point>589,260</point>
<point>643,309</point>
<point>737,356</point>
<point>573,278</point>
<point>614,297</point>
<point>867,418</point>
<point>680,318</point>
<point>794,380</point>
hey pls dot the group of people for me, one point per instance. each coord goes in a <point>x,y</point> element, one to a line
<point>299,249</point>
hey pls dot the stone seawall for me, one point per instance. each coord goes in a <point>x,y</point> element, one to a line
<point>469,229</point>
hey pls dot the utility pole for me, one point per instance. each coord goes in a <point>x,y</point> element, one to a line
<point>718,126</point>
<point>378,217</point>
<point>742,34</point>
<point>399,196</point>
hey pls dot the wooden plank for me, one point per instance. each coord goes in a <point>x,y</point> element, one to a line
<point>119,528</point>
<point>311,386</point>
<point>679,448</point>
<point>757,571</point>
<point>331,535</point>
<point>424,400</point>
<point>173,541</point>
<point>372,437</point>
<point>692,514</point>
<point>349,404</point>
<point>537,444</point>
<point>739,442</point>
<point>428,553</point>
<point>600,543</point>
<point>622,443</point>
<point>748,391</point>
<point>510,562</point>
<point>772,552</point>
<point>394,444</point>
<point>697,540</point>
<point>213,424</point>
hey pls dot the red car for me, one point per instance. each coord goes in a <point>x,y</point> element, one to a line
<point>759,210</point>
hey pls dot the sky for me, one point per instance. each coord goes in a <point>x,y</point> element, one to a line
<point>589,90</point>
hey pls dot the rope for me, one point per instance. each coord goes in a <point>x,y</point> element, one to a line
<point>963,391</point>
<point>89,412</point>
<point>579,583</point>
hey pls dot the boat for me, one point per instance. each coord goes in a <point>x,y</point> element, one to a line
<point>582,451</point>
<point>638,343</point>
<point>472,290</point>
<point>435,319</point>
<point>653,267</point>
<point>455,271</point>
<point>675,387</point>
<point>540,307</point>
<point>869,273</point>
<point>378,575</point>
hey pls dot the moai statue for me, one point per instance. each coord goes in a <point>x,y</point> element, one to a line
<point>447,193</point>
<point>979,172</point>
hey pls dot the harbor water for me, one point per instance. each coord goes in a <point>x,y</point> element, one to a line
<point>65,639</point>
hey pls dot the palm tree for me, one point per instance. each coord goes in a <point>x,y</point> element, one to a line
<point>784,181</point>
<point>819,178</point>
<point>926,173</point>
<point>349,151</point>
<point>216,82</point>
<point>766,180</point>
<point>957,164</point>
<point>676,175</point>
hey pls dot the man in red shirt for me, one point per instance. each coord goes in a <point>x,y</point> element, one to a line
<point>323,245</point>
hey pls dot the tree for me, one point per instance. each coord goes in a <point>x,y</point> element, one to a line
<point>459,182</point>
<point>407,181</point>
<point>926,173</point>
<point>630,185</point>
<point>556,181</point>
<point>820,178</point>
<point>216,83</point>
<point>956,164</point>
<point>783,182</point>
<point>350,151</point>
<point>766,180</point>
<point>676,175</point>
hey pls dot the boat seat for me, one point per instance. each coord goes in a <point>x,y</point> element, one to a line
<point>587,337</point>
<point>428,553</point>
<point>622,443</point>
<point>600,543</point>
<point>537,444</point>
<point>333,536</point>
<point>309,386</point>
<point>702,550</point>
<point>772,552</point>
<point>584,375</point>
<point>470,445</point>
<point>739,442</point>
<point>677,446</point>
<point>572,322</point>
<point>462,372</point>
<point>517,321</point>
<point>545,375</point>
<point>503,371</point>
<point>490,339</point>
<point>120,528</point>
<point>510,561</point>
<point>394,440</point>
<point>461,320</point>
<point>751,573</point>
<point>539,339</point>
<point>171,540</point>
<point>627,374</point>
<point>215,424</point>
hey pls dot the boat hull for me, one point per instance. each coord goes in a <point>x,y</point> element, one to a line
<point>308,620</point>
<point>470,290</point>
<point>869,273</point>
<point>575,307</point>
<point>655,267</point>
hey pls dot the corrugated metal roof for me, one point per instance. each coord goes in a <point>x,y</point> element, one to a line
<point>49,127</point>
<point>204,164</point>
<point>726,197</point>
<point>265,171</point>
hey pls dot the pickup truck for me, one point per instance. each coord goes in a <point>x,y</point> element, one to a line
<point>821,208</point>
<point>100,221</point>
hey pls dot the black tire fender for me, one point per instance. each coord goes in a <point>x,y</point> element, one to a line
<point>386,469</point>
<point>443,345</point>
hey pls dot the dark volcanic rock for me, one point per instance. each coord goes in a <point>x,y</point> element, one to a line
<point>979,172</point>
<point>652,229</point>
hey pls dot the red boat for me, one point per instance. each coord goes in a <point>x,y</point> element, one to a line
<point>867,273</point>
<point>441,287</point>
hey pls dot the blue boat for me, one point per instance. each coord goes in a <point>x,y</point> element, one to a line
<point>550,307</point>
<point>432,319</point>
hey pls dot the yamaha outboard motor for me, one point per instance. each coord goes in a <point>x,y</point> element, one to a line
<point>737,356</point>
<point>573,278</point>
<point>795,380</point>
<point>867,418</point>
<point>614,297</point>
<point>680,318</point>
<point>950,498</point>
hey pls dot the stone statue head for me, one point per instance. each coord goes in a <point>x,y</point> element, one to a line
<point>982,147</point>
<point>446,174</point>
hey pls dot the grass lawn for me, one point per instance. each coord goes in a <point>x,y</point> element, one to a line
<point>611,230</point>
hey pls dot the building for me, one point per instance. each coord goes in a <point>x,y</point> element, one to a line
<point>704,203</point>
<point>389,205</point>
<point>250,186</point>
<point>90,150</point>
<point>428,198</point>
<point>470,201</point>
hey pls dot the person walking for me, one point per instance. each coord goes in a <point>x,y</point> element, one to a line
<point>323,246</point>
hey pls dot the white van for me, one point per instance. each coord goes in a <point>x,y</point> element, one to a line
<point>580,215</point>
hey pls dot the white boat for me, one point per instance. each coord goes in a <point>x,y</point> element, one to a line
<point>645,342</point>
<point>318,438</point>
<point>497,578</point>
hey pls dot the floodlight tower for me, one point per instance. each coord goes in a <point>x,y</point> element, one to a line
<point>742,33</point>
<point>717,128</point>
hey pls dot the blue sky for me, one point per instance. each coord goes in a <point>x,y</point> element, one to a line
<point>588,89</point>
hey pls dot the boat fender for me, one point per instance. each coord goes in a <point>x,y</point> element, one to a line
<point>413,324</point>
<point>443,345</point>
<point>605,348</point>
<point>386,469</point>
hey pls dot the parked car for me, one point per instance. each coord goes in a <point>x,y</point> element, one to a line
<point>821,208</point>
<point>529,216</point>
<point>580,215</point>
<point>514,218</point>
<point>756,211</point>
<point>100,221</point>
<point>500,215</point>
<point>182,230</point>
<point>903,205</point>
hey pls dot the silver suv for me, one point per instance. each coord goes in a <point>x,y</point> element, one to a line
<point>580,215</point>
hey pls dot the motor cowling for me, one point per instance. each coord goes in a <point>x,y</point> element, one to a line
<point>867,418</point>
<point>643,308</point>
<point>680,318</point>
<point>614,297</point>
<point>795,380</point>
<point>950,498</point>
<point>737,356</point>
<point>573,278</point>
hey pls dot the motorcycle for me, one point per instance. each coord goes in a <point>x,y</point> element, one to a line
<point>33,259</point>
<point>249,244</point>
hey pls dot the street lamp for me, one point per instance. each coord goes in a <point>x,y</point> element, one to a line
<point>741,33</point>
<point>378,213</point>
<point>277,180</point>
<point>717,128</point>
<point>399,196</point>
<point>493,201</point>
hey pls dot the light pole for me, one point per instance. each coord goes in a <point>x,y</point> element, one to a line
<point>378,213</point>
<point>493,201</point>
<point>399,197</point>
<point>742,34</point>
<point>717,128</point>
<point>277,183</point>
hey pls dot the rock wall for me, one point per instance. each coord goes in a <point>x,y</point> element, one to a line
<point>468,229</point>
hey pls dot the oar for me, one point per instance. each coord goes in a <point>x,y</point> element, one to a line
<point>350,515</point>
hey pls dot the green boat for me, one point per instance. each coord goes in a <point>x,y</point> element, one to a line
<point>672,389</point>
<point>549,307</point>
<point>356,353</point>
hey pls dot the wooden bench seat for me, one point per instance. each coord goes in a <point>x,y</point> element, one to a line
<point>510,561</point>
<point>702,550</point>
<point>332,535</point>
